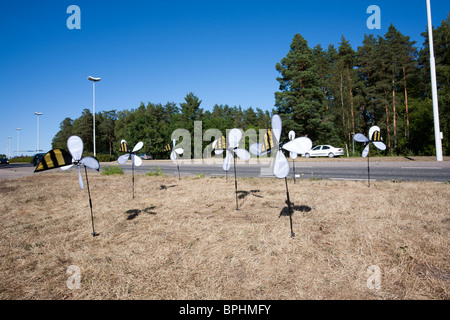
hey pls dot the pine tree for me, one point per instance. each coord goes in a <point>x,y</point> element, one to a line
<point>300,97</point>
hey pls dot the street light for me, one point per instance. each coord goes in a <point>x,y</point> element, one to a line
<point>437,131</point>
<point>9,147</point>
<point>38,114</point>
<point>94,80</point>
<point>18,130</point>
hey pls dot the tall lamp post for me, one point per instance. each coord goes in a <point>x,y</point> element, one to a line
<point>437,131</point>
<point>94,80</point>
<point>38,114</point>
<point>18,130</point>
<point>9,147</point>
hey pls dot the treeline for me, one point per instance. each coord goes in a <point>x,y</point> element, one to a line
<point>327,94</point>
<point>154,124</point>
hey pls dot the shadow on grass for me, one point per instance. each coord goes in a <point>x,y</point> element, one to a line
<point>243,194</point>
<point>133,213</point>
<point>285,210</point>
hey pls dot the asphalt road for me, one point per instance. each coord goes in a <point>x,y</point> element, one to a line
<point>333,169</point>
<point>312,169</point>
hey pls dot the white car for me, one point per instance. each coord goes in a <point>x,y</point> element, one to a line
<point>324,151</point>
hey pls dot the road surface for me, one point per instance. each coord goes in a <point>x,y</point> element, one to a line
<point>333,169</point>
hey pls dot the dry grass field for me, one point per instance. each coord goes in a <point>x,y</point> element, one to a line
<point>184,239</point>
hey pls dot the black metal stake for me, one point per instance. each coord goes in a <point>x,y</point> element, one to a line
<point>132,172</point>
<point>235,183</point>
<point>289,207</point>
<point>94,234</point>
<point>368,169</point>
<point>293,165</point>
<point>178,167</point>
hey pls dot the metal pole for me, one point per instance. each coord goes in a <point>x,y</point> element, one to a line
<point>235,183</point>
<point>289,208</point>
<point>37,134</point>
<point>37,144</point>
<point>18,138</point>
<point>9,147</point>
<point>93,103</point>
<point>437,131</point>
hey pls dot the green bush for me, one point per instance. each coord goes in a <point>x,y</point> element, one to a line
<point>21,159</point>
<point>155,172</point>
<point>113,169</point>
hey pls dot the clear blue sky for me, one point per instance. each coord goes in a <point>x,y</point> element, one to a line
<point>158,51</point>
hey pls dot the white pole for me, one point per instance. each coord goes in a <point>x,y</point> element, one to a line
<point>94,80</point>
<point>93,86</point>
<point>18,130</point>
<point>38,114</point>
<point>37,150</point>
<point>9,147</point>
<point>437,131</point>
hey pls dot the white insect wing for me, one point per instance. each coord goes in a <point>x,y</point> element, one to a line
<point>123,158</point>
<point>365,151</point>
<point>242,154</point>
<point>173,156</point>
<point>299,145</point>
<point>359,137</point>
<point>138,146</point>
<point>91,163</point>
<point>67,167</point>
<point>75,145</point>
<point>227,161</point>
<point>255,148</point>
<point>281,165</point>
<point>380,145</point>
<point>179,150</point>
<point>276,127</point>
<point>136,160</point>
<point>234,137</point>
<point>80,179</point>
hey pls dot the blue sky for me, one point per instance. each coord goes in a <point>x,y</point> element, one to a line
<point>158,51</point>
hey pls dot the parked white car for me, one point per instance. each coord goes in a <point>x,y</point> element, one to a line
<point>324,151</point>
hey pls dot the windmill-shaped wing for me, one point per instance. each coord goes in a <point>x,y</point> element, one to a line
<point>281,165</point>
<point>138,146</point>
<point>276,127</point>
<point>359,137</point>
<point>299,145</point>
<point>366,150</point>
<point>56,158</point>
<point>123,158</point>
<point>137,161</point>
<point>175,151</point>
<point>91,163</point>
<point>75,145</point>
<point>234,138</point>
<point>227,161</point>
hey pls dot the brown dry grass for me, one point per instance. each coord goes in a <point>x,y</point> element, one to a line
<point>187,241</point>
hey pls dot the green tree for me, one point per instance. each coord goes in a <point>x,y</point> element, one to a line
<point>300,98</point>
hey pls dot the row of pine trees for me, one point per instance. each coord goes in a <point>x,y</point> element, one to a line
<point>326,94</point>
